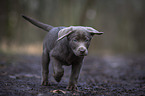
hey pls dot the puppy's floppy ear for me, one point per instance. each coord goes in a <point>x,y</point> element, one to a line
<point>64,32</point>
<point>93,31</point>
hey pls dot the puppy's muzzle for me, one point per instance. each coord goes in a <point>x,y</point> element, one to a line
<point>82,51</point>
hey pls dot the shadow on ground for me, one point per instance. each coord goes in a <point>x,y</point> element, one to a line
<point>20,75</point>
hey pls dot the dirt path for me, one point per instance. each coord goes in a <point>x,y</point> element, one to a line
<point>20,76</point>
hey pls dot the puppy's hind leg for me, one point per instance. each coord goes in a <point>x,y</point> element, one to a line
<point>45,69</point>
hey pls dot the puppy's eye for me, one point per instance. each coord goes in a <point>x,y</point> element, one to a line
<point>86,40</point>
<point>75,40</point>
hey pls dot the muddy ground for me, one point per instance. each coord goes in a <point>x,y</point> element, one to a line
<point>20,75</point>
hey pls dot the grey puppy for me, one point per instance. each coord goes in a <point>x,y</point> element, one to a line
<point>64,46</point>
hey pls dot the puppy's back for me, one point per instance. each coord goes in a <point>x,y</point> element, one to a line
<point>51,38</point>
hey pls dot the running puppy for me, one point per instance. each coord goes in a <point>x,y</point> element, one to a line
<point>64,46</point>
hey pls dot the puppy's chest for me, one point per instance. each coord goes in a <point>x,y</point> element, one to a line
<point>70,59</point>
<point>65,56</point>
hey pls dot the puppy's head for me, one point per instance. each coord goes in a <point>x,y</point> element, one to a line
<point>79,38</point>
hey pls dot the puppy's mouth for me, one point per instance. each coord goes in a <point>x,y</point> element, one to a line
<point>80,54</point>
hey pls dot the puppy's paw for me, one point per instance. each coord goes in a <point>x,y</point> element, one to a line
<point>58,76</point>
<point>45,83</point>
<point>72,87</point>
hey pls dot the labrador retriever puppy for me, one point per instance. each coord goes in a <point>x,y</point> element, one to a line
<point>64,46</point>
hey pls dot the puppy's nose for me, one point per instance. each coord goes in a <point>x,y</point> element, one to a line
<point>82,50</point>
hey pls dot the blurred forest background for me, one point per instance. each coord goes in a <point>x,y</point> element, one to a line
<point>122,21</point>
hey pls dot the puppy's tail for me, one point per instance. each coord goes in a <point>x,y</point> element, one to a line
<point>38,24</point>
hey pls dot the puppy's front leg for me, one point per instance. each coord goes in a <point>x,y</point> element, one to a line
<point>57,69</point>
<point>74,76</point>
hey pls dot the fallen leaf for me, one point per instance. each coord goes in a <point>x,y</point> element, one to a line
<point>13,77</point>
<point>3,73</point>
<point>58,91</point>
